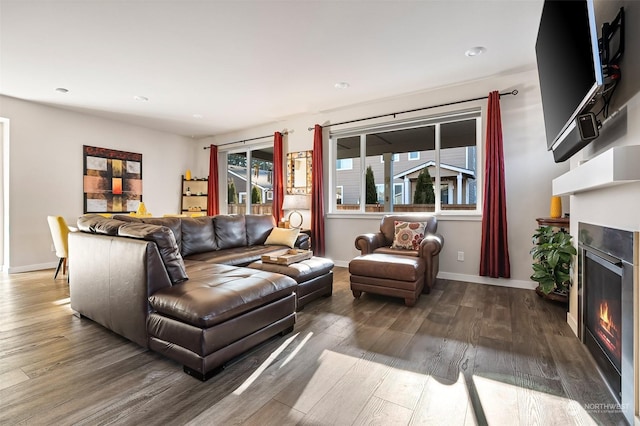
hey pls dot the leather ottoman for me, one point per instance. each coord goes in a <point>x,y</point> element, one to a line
<point>388,275</point>
<point>314,277</point>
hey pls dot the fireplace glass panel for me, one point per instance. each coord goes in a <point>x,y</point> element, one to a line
<point>604,308</point>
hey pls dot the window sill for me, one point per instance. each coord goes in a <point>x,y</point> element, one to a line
<point>442,216</point>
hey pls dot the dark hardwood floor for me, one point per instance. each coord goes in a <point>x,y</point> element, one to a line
<point>465,354</point>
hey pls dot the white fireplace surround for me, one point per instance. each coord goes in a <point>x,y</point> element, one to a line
<point>616,166</point>
<point>605,190</point>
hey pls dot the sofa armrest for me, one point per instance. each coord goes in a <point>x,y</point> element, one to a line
<point>303,242</point>
<point>431,245</point>
<point>367,243</point>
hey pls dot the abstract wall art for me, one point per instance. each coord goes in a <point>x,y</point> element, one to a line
<point>112,180</point>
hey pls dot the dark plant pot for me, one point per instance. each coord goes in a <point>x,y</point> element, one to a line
<point>554,296</point>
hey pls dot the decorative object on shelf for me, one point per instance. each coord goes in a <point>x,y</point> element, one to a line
<point>556,207</point>
<point>295,202</point>
<point>112,180</point>
<point>188,193</point>
<point>553,255</point>
<point>187,175</point>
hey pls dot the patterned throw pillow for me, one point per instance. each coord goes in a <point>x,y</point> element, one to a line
<point>408,235</point>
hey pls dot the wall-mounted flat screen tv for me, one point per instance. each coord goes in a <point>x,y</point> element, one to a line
<point>569,69</point>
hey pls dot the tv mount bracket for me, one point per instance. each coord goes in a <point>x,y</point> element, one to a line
<point>611,61</point>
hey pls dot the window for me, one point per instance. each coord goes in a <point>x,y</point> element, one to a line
<point>380,191</point>
<point>339,194</point>
<point>440,160</point>
<point>344,164</point>
<point>250,180</point>
<point>398,193</point>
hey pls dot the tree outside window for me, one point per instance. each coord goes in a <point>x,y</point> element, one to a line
<point>424,189</point>
<point>372,192</point>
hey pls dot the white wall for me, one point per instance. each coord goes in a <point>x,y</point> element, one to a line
<point>46,169</point>
<point>528,166</point>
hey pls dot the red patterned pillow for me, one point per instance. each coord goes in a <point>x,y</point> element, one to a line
<point>408,235</point>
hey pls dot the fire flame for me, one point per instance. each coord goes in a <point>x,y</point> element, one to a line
<point>606,321</point>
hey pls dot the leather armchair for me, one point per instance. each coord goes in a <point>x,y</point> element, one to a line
<point>381,241</point>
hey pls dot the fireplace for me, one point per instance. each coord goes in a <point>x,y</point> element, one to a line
<point>605,293</point>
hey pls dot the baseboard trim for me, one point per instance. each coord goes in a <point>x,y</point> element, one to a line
<point>573,323</point>
<point>30,268</point>
<point>503,282</point>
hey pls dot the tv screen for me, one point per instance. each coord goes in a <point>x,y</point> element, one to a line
<point>569,70</point>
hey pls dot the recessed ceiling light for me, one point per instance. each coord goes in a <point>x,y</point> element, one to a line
<point>475,51</point>
<point>62,90</point>
<point>141,98</point>
<point>341,85</point>
<point>197,115</point>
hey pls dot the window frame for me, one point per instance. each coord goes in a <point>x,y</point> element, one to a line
<point>432,120</point>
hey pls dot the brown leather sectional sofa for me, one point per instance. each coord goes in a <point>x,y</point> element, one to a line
<point>179,286</point>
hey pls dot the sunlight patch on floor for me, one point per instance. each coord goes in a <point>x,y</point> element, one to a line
<point>504,403</point>
<point>60,302</point>
<point>11,378</point>
<point>297,349</point>
<point>264,365</point>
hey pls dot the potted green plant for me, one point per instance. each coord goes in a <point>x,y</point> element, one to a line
<point>552,254</point>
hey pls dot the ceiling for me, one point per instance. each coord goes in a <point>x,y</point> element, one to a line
<point>213,67</point>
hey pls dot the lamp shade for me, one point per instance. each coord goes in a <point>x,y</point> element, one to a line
<point>296,202</point>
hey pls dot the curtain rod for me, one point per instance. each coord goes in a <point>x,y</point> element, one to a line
<point>284,132</point>
<point>513,92</point>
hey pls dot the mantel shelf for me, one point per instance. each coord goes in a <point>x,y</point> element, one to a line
<point>616,166</point>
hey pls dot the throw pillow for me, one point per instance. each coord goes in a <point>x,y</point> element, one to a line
<point>282,237</point>
<point>408,235</point>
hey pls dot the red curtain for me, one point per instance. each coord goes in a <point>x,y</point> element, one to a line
<point>212,191</point>
<point>278,187</point>
<point>494,252</point>
<point>317,194</point>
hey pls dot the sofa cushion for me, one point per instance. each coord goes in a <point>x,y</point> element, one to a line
<point>97,224</point>
<point>408,235</point>
<point>237,256</point>
<point>217,293</point>
<point>167,246</point>
<point>283,237</point>
<point>172,223</point>
<point>198,235</point>
<point>258,228</point>
<point>230,231</point>
<point>127,218</point>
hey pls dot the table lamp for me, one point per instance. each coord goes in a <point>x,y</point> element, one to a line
<point>295,202</point>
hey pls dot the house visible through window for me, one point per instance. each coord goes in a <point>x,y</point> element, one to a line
<point>344,164</point>
<point>250,180</point>
<point>434,155</point>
